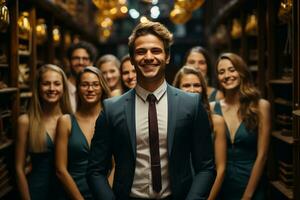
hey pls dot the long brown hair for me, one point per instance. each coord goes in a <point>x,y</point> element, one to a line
<point>249,95</point>
<point>37,132</point>
<point>204,52</point>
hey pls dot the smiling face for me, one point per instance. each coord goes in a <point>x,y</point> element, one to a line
<point>197,60</point>
<point>51,87</point>
<point>128,74</point>
<point>79,60</point>
<point>150,59</point>
<point>111,74</point>
<point>90,90</point>
<point>190,83</point>
<point>228,76</point>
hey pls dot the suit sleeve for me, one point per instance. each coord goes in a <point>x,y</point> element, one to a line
<point>202,155</point>
<point>100,160</point>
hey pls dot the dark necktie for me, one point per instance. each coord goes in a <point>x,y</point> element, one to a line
<point>154,144</point>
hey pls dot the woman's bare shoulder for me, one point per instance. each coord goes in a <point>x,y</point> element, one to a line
<point>23,120</point>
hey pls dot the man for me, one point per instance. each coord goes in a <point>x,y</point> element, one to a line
<point>80,55</point>
<point>152,142</point>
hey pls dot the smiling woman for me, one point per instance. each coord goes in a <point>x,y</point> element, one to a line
<point>36,132</point>
<point>109,65</point>
<point>75,132</point>
<point>128,73</point>
<point>247,119</point>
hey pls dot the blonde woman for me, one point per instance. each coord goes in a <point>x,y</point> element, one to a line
<point>36,133</point>
<point>109,65</point>
<point>75,132</point>
<point>191,80</point>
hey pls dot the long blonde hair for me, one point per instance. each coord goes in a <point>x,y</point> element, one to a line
<point>37,132</point>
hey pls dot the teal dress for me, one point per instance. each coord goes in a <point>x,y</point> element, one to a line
<point>241,155</point>
<point>212,96</point>
<point>78,151</point>
<point>42,181</point>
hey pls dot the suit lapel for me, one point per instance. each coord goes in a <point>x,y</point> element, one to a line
<point>130,119</point>
<point>172,110</point>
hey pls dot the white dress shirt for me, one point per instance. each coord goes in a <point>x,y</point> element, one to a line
<point>142,182</point>
<point>72,96</point>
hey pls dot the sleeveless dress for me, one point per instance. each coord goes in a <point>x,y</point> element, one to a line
<point>212,96</point>
<point>42,181</point>
<point>241,155</point>
<point>78,151</point>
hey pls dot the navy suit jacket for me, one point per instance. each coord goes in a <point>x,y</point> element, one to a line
<point>189,136</point>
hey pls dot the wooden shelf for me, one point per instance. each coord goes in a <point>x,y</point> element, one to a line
<point>283,102</point>
<point>5,113</point>
<point>24,87</point>
<point>4,65</point>
<point>5,190</point>
<point>25,94</point>
<point>283,189</point>
<point>6,143</point>
<point>284,138</point>
<point>283,123</point>
<point>253,68</point>
<point>66,19</point>
<point>24,53</point>
<point>8,90</point>
<point>225,11</point>
<point>296,112</point>
<point>281,81</point>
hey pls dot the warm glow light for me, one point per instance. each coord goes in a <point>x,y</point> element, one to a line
<point>122,2</point>
<point>106,32</point>
<point>107,22</point>
<point>56,35</point>
<point>143,19</point>
<point>124,9</point>
<point>113,11</point>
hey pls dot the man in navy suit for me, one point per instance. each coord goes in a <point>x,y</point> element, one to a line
<point>123,131</point>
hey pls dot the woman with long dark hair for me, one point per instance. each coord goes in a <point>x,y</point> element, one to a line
<point>199,58</point>
<point>247,118</point>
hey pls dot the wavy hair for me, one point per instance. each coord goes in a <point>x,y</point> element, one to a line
<point>249,95</point>
<point>154,28</point>
<point>37,131</point>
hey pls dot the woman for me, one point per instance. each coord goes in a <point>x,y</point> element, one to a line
<point>128,73</point>
<point>190,79</point>
<point>109,65</point>
<point>74,133</point>
<point>198,57</point>
<point>36,132</point>
<point>247,121</point>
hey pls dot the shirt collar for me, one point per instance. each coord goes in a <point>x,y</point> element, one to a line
<point>158,93</point>
<point>72,88</point>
